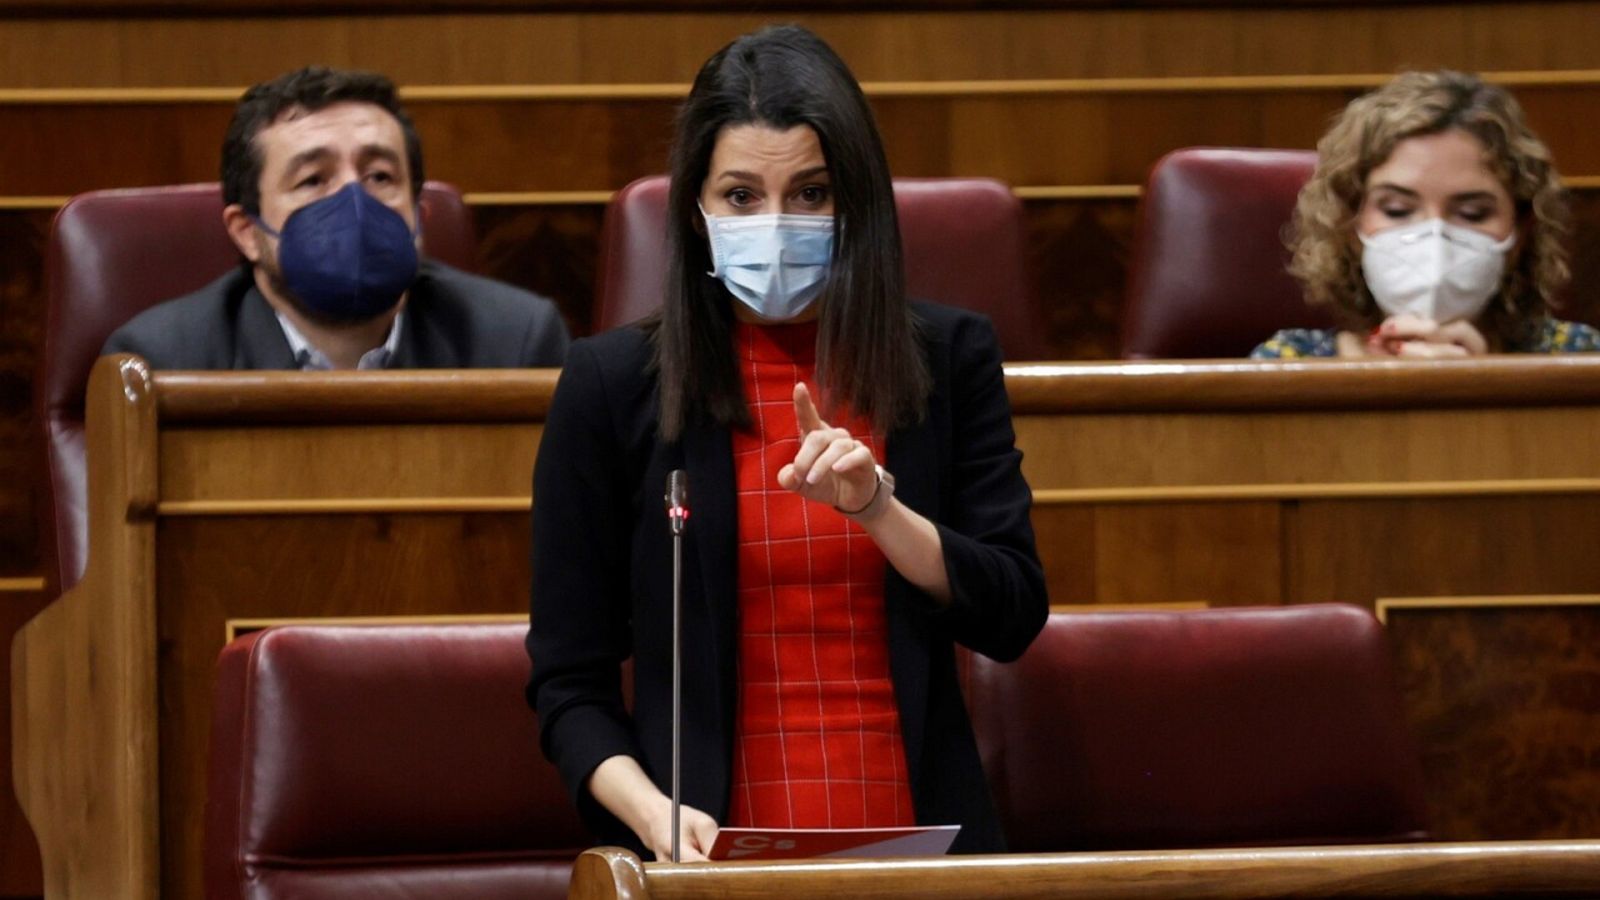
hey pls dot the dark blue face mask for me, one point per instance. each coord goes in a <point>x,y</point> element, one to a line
<point>347,256</point>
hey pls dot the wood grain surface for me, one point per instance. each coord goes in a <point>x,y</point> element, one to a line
<point>204,506</point>
<point>1527,675</point>
<point>1026,135</point>
<point>1531,869</point>
<point>584,47</point>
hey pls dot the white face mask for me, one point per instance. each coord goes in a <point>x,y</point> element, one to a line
<point>1433,269</point>
<point>776,264</point>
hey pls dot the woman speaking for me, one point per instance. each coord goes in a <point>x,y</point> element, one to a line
<point>858,505</point>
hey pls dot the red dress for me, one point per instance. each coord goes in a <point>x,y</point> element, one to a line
<point>817,741</point>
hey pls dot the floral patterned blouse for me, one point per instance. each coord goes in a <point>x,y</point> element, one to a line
<point>1544,336</point>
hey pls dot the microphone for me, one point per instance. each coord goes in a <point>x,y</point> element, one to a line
<point>677,500</point>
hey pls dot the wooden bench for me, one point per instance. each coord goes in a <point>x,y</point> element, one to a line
<point>223,501</point>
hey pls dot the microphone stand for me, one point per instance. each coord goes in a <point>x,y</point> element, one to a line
<point>677,515</point>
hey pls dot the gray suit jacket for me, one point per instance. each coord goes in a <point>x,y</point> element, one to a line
<point>453,320</point>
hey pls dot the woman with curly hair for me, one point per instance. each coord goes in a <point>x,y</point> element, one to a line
<point>1433,226</point>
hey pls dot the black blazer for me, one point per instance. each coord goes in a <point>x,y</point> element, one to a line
<point>453,320</point>
<point>602,566</point>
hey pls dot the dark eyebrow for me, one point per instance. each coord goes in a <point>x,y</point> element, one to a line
<point>812,172</point>
<point>741,175</point>
<point>314,154</point>
<point>381,151</point>
<point>318,154</point>
<point>1473,196</point>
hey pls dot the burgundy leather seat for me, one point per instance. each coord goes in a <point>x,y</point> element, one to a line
<point>963,240</point>
<point>382,762</point>
<point>401,761</point>
<point>1209,277</point>
<point>1162,730</point>
<point>112,255</point>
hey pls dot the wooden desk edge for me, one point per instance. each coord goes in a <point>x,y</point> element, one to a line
<point>1546,868</point>
<point>1035,388</point>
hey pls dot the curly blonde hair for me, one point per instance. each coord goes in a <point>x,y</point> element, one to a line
<point>1327,258</point>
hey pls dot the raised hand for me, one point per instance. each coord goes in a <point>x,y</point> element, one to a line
<point>831,466</point>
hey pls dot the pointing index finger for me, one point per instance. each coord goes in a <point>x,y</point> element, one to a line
<point>805,412</point>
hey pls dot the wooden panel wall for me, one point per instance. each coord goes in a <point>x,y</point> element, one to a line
<point>667,47</point>
<point>1040,137</point>
<point>1464,659</point>
<point>70,8</point>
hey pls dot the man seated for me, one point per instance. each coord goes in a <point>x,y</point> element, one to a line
<point>321,173</point>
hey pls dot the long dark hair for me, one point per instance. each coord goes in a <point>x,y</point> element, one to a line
<point>869,358</point>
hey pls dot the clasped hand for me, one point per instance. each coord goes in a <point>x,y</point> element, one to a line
<point>831,466</point>
<point>1408,335</point>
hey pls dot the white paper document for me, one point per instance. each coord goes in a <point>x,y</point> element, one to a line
<point>806,843</point>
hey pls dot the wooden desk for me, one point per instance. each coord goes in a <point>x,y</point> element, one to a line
<point>1263,483</point>
<point>257,496</point>
<point>264,496</point>
<point>1530,869</point>
<point>1471,485</point>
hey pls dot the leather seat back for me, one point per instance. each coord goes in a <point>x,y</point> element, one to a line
<point>962,238</point>
<point>382,762</point>
<point>1234,726</point>
<point>1210,275</point>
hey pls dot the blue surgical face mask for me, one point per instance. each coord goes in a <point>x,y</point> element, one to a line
<point>346,256</point>
<point>775,264</point>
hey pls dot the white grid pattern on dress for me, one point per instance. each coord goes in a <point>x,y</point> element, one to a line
<point>815,609</point>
